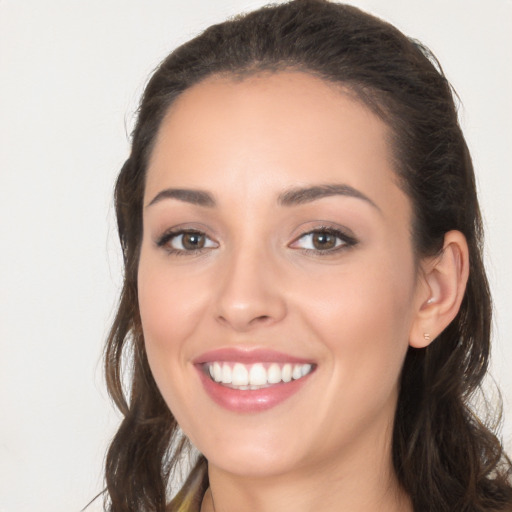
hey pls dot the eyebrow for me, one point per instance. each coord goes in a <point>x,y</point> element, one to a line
<point>303,195</point>
<point>291,197</point>
<point>197,197</point>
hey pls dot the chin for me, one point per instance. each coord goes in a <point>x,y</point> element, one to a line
<point>256,463</point>
<point>251,454</point>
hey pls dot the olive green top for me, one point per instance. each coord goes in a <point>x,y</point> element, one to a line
<point>190,496</point>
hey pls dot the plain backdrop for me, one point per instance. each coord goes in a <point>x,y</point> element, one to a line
<point>71,73</point>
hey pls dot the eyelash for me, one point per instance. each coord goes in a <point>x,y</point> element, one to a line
<point>347,241</point>
<point>169,235</point>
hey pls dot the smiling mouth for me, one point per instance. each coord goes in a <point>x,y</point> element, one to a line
<point>240,376</point>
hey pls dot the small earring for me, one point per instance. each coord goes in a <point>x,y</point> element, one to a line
<point>426,336</point>
<point>429,301</point>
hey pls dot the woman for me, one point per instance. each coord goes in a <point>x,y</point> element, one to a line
<point>304,294</point>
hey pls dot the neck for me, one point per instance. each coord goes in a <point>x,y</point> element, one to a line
<point>361,482</point>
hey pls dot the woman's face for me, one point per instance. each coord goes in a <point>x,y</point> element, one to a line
<point>277,280</point>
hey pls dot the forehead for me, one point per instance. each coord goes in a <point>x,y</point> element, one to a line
<point>274,129</point>
<point>285,105</point>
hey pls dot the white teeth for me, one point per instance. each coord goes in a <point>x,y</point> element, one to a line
<point>297,372</point>
<point>286,373</point>
<point>240,375</point>
<point>217,372</point>
<point>227,376</point>
<point>257,375</point>
<point>274,374</point>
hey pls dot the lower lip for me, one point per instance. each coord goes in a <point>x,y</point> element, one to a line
<point>256,400</point>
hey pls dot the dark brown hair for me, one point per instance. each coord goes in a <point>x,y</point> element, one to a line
<point>445,458</point>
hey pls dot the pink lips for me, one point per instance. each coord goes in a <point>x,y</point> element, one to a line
<point>247,401</point>
<point>247,356</point>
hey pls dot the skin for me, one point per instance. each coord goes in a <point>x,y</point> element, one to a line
<point>259,282</point>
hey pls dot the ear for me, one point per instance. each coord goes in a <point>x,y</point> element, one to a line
<point>440,290</point>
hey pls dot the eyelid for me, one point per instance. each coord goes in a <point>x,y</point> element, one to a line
<point>185,227</point>
<point>175,232</point>
<point>347,238</point>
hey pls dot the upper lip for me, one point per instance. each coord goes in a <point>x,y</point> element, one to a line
<point>248,356</point>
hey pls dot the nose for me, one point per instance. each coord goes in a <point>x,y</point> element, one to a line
<point>250,294</point>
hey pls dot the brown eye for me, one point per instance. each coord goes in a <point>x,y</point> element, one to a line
<point>192,241</point>
<point>186,242</point>
<point>323,241</point>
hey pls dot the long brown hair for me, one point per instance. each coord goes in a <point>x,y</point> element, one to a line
<point>445,458</point>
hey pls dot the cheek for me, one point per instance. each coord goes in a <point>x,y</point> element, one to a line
<point>170,308</point>
<point>363,318</point>
<point>169,305</point>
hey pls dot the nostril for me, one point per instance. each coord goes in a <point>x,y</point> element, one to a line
<point>244,323</point>
<point>262,318</point>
